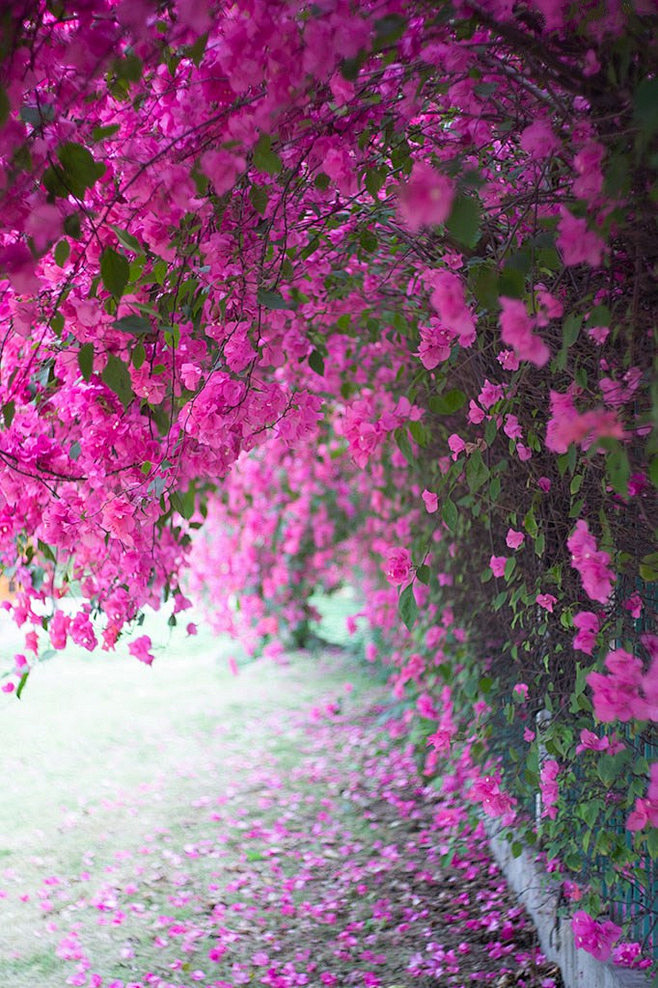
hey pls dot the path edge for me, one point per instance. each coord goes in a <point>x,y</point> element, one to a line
<point>540,896</point>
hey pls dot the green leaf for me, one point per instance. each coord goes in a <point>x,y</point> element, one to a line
<point>8,412</point>
<point>463,224</point>
<point>274,300</point>
<point>477,472</point>
<point>316,362</point>
<point>21,685</point>
<point>419,433</point>
<point>62,252</point>
<point>511,282</point>
<point>649,567</point>
<point>73,226</point>
<point>259,197</point>
<point>483,282</point>
<point>390,28</point>
<point>368,240</point>
<point>404,445</point>
<point>407,607</point>
<point>100,133</point>
<point>423,574</point>
<point>571,330</point>
<point>448,402</point>
<point>645,102</point>
<point>77,171</point>
<point>265,159</point>
<point>4,106</point>
<point>137,325</point>
<point>127,240</point>
<point>138,356</point>
<point>449,514</point>
<point>117,378</point>
<point>86,360</point>
<point>115,271</point>
<point>374,180</point>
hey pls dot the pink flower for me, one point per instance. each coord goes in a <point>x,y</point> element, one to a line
<point>426,198</point>
<point>191,629</point>
<point>596,938</point>
<point>617,696</point>
<point>490,394</point>
<point>521,690</point>
<point>546,600</point>
<point>634,605</point>
<point>578,244</point>
<point>497,564</point>
<point>592,564</point>
<point>456,444</point>
<point>589,741</point>
<point>431,501</point>
<point>517,331</point>
<point>140,648</point>
<point>222,168</point>
<point>449,301</point>
<point>544,484</point>
<point>549,787</point>
<point>588,626</point>
<point>514,540</point>
<point>486,790</point>
<point>538,140</point>
<point>435,344</point>
<point>440,741</point>
<point>398,566</point>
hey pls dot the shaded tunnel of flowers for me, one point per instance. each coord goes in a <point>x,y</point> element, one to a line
<point>301,296</point>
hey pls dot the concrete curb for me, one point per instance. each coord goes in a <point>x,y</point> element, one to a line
<point>540,896</point>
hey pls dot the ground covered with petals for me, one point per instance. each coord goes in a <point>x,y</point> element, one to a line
<point>283,837</point>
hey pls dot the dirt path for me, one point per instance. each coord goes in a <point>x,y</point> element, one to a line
<point>268,832</point>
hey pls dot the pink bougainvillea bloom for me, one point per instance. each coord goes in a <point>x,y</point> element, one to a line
<point>450,303</point>
<point>508,360</point>
<point>435,344</point>
<point>521,690</point>
<point>544,484</point>
<point>549,788</point>
<point>486,790</point>
<point>634,605</point>
<point>599,334</point>
<point>588,626</point>
<point>513,539</point>
<point>516,330</point>
<point>546,600</point>
<point>371,652</point>
<point>617,696</point>
<point>577,244</point>
<point>426,198</point>
<point>592,564</point>
<point>538,140</point>
<point>456,444</point>
<point>397,568</point>
<point>440,740</point>
<point>497,564</point>
<point>8,687</point>
<point>192,629</point>
<point>589,741</point>
<point>222,168</point>
<point>596,938</point>
<point>431,501</point>
<point>141,649</point>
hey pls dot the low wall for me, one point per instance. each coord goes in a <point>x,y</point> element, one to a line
<point>540,897</point>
